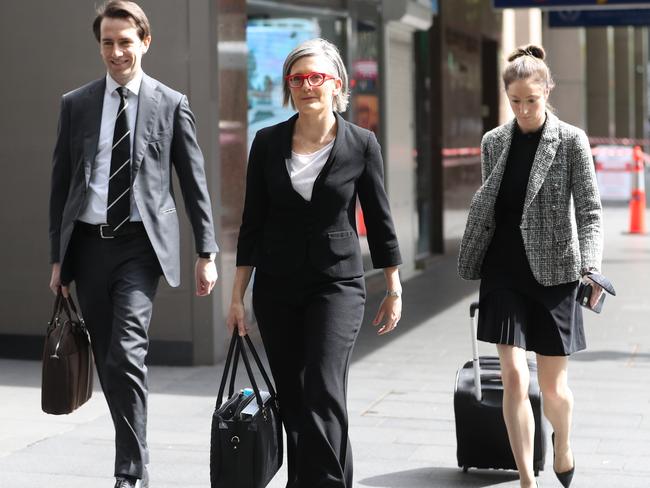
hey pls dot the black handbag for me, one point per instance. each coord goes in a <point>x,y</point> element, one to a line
<point>246,434</point>
<point>585,290</point>
<point>67,379</point>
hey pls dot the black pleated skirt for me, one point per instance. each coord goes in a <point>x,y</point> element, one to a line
<point>515,309</point>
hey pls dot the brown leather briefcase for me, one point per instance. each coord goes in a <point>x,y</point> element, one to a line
<point>67,360</point>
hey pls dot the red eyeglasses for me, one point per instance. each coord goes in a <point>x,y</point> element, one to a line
<point>314,79</point>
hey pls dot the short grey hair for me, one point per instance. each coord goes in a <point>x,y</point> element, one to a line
<point>318,47</point>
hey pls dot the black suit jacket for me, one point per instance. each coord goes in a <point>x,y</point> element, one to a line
<point>164,137</point>
<point>281,232</point>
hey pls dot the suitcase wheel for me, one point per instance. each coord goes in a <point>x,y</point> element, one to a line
<point>536,472</point>
<point>465,468</point>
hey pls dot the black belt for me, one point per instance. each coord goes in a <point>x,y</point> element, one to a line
<point>105,231</point>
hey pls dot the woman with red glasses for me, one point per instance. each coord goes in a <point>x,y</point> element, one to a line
<point>299,233</point>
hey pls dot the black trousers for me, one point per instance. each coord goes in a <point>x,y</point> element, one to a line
<point>309,324</point>
<point>116,282</point>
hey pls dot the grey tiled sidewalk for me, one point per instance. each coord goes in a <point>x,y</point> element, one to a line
<point>400,397</point>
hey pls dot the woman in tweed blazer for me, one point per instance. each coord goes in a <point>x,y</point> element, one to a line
<point>534,228</point>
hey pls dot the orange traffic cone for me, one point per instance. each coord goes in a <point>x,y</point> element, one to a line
<point>637,198</point>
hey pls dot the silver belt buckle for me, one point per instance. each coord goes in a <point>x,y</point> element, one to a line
<point>101,231</point>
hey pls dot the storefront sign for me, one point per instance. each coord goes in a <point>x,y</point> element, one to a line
<point>566,4</point>
<point>599,18</point>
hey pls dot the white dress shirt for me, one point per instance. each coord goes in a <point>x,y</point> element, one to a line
<point>94,209</point>
<point>305,168</point>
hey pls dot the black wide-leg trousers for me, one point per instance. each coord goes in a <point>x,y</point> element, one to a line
<point>309,323</point>
<point>116,282</point>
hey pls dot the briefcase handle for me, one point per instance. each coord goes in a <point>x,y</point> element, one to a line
<point>236,349</point>
<point>56,312</point>
<point>66,305</point>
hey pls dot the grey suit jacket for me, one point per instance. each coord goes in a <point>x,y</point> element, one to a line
<point>164,137</point>
<point>561,221</point>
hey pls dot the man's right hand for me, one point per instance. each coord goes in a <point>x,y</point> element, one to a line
<point>55,280</point>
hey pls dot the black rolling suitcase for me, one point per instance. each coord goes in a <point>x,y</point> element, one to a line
<point>481,433</point>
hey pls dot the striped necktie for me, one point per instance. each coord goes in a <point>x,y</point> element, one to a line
<point>119,183</point>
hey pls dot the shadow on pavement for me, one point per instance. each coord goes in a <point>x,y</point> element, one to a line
<point>440,477</point>
<point>424,296</point>
<point>588,356</point>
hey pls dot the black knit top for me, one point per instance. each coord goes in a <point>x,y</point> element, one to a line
<point>506,256</point>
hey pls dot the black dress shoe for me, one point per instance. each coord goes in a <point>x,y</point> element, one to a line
<point>567,476</point>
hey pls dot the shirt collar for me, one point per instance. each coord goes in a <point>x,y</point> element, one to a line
<point>133,86</point>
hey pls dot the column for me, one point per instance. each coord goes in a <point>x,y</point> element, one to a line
<point>624,81</point>
<point>641,82</point>
<point>565,55</point>
<point>600,82</point>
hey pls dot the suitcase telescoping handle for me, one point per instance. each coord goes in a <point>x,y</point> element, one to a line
<point>478,394</point>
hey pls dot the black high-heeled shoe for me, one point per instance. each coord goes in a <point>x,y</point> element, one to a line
<point>567,476</point>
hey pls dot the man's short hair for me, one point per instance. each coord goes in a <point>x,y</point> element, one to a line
<point>122,9</point>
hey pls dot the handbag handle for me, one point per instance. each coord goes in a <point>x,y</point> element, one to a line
<point>267,380</point>
<point>244,356</point>
<point>247,364</point>
<point>226,369</point>
<point>232,358</point>
<point>233,374</point>
<point>236,349</point>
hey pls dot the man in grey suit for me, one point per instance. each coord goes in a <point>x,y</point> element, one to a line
<point>113,223</point>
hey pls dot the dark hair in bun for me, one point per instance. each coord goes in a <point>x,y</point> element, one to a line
<point>528,62</point>
<point>530,50</point>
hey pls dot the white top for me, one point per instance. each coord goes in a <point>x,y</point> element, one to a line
<point>304,169</point>
<point>94,210</point>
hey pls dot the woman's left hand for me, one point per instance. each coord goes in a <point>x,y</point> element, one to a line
<point>596,291</point>
<point>391,310</point>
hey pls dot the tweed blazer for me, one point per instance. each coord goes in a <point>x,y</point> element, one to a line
<point>562,214</point>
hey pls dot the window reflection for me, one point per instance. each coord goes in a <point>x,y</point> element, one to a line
<point>270,40</point>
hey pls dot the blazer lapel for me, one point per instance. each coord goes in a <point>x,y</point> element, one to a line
<point>148,101</point>
<point>493,183</point>
<point>93,115</point>
<point>285,139</point>
<point>331,160</point>
<point>548,145</point>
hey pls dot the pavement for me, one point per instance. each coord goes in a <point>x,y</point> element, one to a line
<point>400,396</point>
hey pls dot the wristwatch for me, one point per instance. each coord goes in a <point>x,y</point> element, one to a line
<point>394,293</point>
<point>208,255</point>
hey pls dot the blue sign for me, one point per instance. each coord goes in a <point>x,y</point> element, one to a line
<point>566,4</point>
<point>599,18</point>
